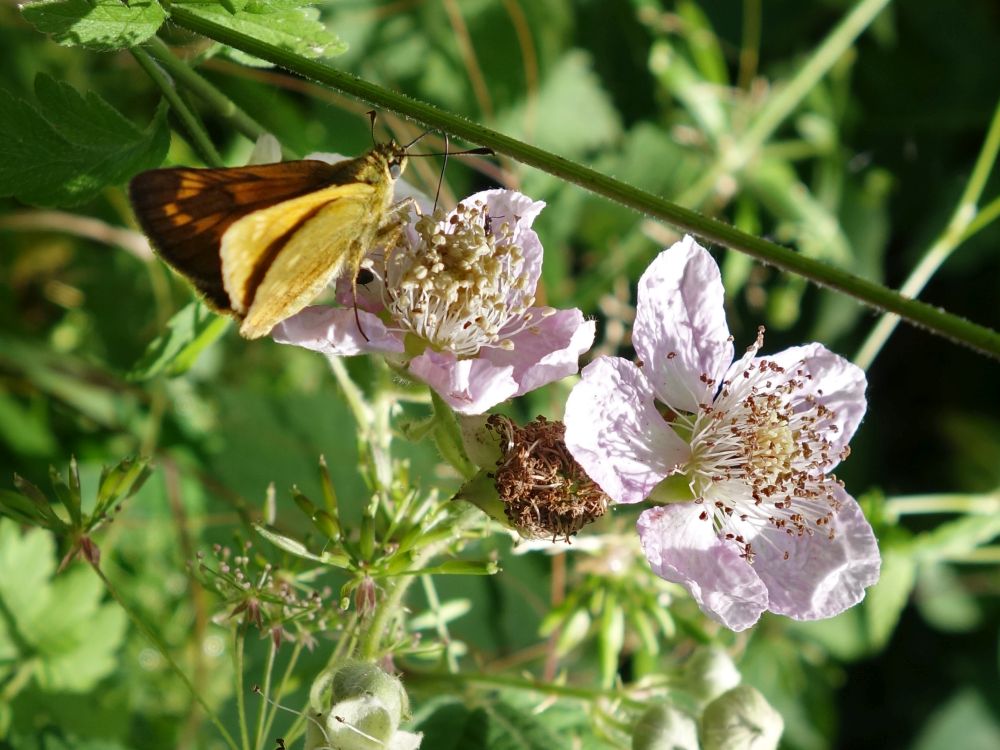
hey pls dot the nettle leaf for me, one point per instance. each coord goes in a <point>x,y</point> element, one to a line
<point>288,24</point>
<point>70,146</point>
<point>101,25</point>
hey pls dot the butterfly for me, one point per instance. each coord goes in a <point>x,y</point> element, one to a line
<point>261,242</point>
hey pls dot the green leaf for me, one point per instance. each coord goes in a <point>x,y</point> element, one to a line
<point>189,332</point>
<point>101,25</point>
<point>884,602</point>
<point>298,549</point>
<point>69,147</point>
<point>283,23</point>
<point>71,637</point>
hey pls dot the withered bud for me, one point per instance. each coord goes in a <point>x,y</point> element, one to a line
<point>545,492</point>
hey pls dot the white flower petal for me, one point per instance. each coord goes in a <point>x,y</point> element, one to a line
<point>469,386</point>
<point>683,548</point>
<point>547,351</point>
<point>334,331</point>
<point>836,383</point>
<point>616,434</point>
<point>680,331</point>
<point>821,577</point>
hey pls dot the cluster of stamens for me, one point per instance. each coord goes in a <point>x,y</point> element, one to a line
<point>763,433</point>
<point>463,286</point>
<point>544,490</point>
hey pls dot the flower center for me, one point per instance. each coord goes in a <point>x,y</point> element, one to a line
<point>461,287</point>
<point>759,454</point>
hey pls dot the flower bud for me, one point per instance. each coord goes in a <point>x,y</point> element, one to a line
<point>663,727</point>
<point>741,719</point>
<point>366,706</point>
<point>709,673</point>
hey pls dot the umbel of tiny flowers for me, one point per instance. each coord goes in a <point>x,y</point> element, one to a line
<point>454,305</point>
<point>752,518</point>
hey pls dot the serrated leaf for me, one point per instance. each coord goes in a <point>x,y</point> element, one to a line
<point>283,23</point>
<point>70,146</point>
<point>579,114</point>
<point>101,25</point>
<point>189,332</point>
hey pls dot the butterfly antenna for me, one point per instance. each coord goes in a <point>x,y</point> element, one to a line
<point>372,114</point>
<point>444,163</point>
<point>408,145</point>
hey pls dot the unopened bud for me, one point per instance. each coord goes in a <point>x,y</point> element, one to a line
<point>741,719</point>
<point>709,673</point>
<point>663,727</point>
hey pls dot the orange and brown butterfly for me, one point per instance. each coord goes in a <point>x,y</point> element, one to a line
<point>261,242</point>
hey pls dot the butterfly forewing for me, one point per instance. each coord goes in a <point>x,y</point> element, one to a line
<point>185,212</point>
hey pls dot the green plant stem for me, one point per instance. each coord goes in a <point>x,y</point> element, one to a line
<point>162,648</point>
<point>897,507</point>
<point>464,679</point>
<point>979,556</point>
<point>239,638</point>
<point>784,101</point>
<point>434,604</point>
<point>258,733</point>
<point>225,107</point>
<point>874,295</point>
<point>370,644</point>
<point>282,685</point>
<point>197,136</point>
<point>954,234</point>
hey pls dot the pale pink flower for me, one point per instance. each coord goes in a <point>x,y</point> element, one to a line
<point>753,519</point>
<point>454,304</point>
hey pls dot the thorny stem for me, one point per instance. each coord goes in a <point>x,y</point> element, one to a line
<point>162,648</point>
<point>868,292</point>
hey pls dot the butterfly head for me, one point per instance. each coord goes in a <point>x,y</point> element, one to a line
<point>389,159</point>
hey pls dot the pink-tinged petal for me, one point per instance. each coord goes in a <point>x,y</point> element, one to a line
<point>684,548</point>
<point>616,434</point>
<point>469,386</point>
<point>833,382</point>
<point>334,331</point>
<point>821,577</point>
<point>680,330</point>
<point>519,211</point>
<point>369,295</point>
<point>545,352</point>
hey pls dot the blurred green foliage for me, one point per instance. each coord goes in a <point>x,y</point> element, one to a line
<point>102,355</point>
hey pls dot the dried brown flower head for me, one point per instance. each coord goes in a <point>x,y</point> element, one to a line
<point>544,490</point>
